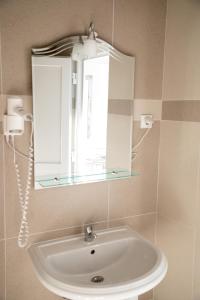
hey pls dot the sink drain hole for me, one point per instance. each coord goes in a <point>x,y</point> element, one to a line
<point>97,279</point>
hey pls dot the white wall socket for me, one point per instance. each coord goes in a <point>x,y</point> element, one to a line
<point>146,121</point>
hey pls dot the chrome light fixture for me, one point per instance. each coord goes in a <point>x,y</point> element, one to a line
<point>90,44</point>
<point>87,48</point>
<point>79,47</point>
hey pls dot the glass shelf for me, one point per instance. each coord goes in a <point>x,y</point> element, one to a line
<point>63,181</point>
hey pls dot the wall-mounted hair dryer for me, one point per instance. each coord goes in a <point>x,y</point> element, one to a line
<point>13,125</point>
<point>13,122</point>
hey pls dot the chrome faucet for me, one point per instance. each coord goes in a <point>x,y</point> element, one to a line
<point>89,233</point>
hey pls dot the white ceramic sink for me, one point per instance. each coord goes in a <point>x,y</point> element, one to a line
<point>127,265</point>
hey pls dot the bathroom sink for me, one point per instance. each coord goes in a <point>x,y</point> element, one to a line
<point>118,264</point>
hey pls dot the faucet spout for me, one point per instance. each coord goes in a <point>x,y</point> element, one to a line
<point>89,233</point>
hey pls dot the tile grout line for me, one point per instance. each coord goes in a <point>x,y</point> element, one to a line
<point>143,106</point>
<point>81,225</point>
<point>181,100</point>
<point>5,243</point>
<point>159,153</point>
<point>157,187</point>
<point>59,229</point>
<point>189,122</point>
<point>164,54</point>
<point>157,193</point>
<point>3,168</point>
<point>133,216</point>
<point>148,99</point>
<point>195,228</point>
<point>181,121</point>
<point>108,204</point>
<point>54,230</point>
<point>179,223</point>
<point>113,21</point>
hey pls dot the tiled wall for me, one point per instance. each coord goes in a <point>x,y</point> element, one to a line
<point>178,226</point>
<point>2,228</point>
<point>136,27</point>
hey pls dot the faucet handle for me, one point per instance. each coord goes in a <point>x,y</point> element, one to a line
<point>88,229</point>
<point>89,233</point>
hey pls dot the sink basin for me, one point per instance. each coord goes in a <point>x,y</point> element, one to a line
<point>118,264</point>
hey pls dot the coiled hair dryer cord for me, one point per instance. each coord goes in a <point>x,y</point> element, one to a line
<point>23,237</point>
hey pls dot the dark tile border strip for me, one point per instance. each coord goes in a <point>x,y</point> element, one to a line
<point>120,107</point>
<point>186,110</point>
<point>1,127</point>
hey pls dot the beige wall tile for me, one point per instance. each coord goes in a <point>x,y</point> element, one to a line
<point>143,224</point>
<point>177,242</point>
<point>142,34</point>
<point>21,280</point>
<point>55,208</point>
<point>196,295</point>
<point>59,233</point>
<point>1,190</point>
<point>51,235</point>
<point>27,24</point>
<point>138,195</point>
<point>179,148</point>
<point>1,162</point>
<point>1,91</point>
<point>125,199</point>
<point>70,206</point>
<point>147,153</point>
<point>2,243</point>
<point>147,106</point>
<point>1,111</point>
<point>147,296</point>
<point>179,153</point>
<point>120,107</point>
<point>182,47</point>
<point>2,270</point>
<point>196,279</point>
<point>181,110</point>
<point>139,28</point>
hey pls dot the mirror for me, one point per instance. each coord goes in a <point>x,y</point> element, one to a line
<point>83,91</point>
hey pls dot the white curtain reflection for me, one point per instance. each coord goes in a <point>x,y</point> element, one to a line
<point>92,130</point>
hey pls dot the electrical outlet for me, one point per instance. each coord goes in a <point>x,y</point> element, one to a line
<point>146,121</point>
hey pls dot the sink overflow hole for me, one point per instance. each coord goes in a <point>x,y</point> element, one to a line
<point>92,252</point>
<point>97,279</point>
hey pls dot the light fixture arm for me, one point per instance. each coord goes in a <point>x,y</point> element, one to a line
<point>91,32</point>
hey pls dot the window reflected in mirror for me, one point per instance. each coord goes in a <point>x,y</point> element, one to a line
<point>91,130</point>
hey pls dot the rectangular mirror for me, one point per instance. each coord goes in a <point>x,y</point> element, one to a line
<point>83,116</point>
